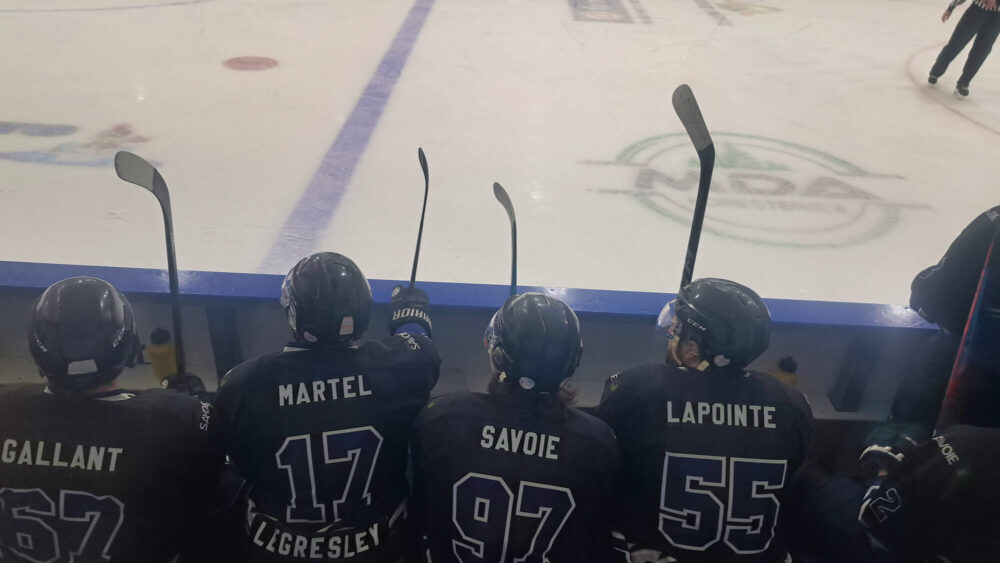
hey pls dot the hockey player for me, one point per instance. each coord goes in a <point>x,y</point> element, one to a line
<point>89,472</point>
<point>517,474</point>
<point>929,502</point>
<point>320,429</point>
<point>938,500</point>
<point>943,295</point>
<point>707,445</point>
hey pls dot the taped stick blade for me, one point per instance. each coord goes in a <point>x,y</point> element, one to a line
<point>135,170</point>
<point>686,107</point>
<point>423,164</point>
<point>504,199</point>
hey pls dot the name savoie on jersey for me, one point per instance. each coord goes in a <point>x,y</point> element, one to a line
<point>721,414</point>
<point>333,389</point>
<point>56,454</point>
<point>518,441</point>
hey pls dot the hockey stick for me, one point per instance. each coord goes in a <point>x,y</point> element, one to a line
<point>973,385</point>
<point>136,170</point>
<point>687,110</point>
<point>504,199</point>
<point>420,233</point>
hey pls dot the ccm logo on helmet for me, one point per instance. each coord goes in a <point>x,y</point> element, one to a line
<point>696,325</point>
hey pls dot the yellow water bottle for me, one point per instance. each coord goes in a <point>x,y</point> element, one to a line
<point>786,371</point>
<point>162,353</point>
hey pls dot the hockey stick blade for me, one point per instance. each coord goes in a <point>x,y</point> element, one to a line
<point>420,232</point>
<point>689,113</point>
<point>136,170</point>
<point>504,199</point>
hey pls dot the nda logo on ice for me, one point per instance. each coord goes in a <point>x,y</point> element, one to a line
<point>764,191</point>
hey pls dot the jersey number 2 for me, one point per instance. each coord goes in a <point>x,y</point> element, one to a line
<point>356,446</point>
<point>693,517</point>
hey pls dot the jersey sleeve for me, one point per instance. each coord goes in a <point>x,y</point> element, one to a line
<point>807,425</point>
<point>623,391</point>
<point>943,293</point>
<point>415,358</point>
<point>226,404</point>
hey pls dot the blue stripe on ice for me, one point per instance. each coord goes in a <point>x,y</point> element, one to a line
<point>307,223</point>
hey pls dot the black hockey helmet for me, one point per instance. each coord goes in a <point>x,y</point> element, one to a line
<point>327,299</point>
<point>82,333</point>
<point>535,340</point>
<point>729,321</point>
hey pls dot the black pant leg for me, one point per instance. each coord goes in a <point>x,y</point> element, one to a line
<point>964,32</point>
<point>981,47</point>
<point>919,397</point>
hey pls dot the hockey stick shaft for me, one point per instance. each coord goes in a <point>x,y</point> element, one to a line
<point>420,232</point>
<point>689,113</point>
<point>504,199</point>
<point>136,170</point>
<point>971,392</point>
<point>175,291</point>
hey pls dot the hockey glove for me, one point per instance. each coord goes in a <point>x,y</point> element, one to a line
<point>890,443</point>
<point>410,305</point>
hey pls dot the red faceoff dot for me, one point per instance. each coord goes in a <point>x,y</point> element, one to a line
<point>250,63</point>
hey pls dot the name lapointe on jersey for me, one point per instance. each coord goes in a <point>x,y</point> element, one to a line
<point>721,414</point>
<point>57,454</point>
<point>333,389</point>
<point>517,441</point>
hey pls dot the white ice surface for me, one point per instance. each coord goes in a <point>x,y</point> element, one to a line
<point>516,91</point>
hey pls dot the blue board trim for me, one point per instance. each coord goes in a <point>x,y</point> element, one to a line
<point>195,284</point>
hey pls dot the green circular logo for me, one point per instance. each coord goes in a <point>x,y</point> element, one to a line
<point>763,191</point>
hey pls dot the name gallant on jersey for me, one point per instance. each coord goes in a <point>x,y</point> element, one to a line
<point>57,454</point>
<point>721,414</point>
<point>333,389</point>
<point>518,441</point>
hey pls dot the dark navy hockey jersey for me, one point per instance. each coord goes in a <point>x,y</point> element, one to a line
<point>119,477</point>
<point>321,434</point>
<point>943,293</point>
<point>940,502</point>
<point>705,460</point>
<point>499,480</point>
